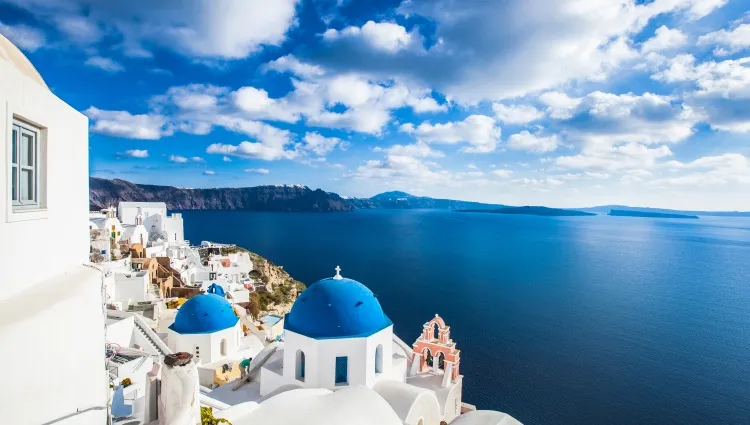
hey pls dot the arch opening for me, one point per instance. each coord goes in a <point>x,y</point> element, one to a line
<point>379,359</point>
<point>299,373</point>
<point>428,357</point>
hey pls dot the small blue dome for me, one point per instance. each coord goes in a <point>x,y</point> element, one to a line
<point>336,308</point>
<point>204,313</point>
<point>216,289</point>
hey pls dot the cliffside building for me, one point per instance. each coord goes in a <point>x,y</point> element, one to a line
<point>153,216</point>
<point>53,312</point>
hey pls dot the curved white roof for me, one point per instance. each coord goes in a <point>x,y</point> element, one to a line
<point>485,417</point>
<point>407,400</point>
<point>11,53</point>
<point>353,405</point>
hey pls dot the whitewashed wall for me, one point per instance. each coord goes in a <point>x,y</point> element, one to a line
<point>59,235</point>
<point>131,288</point>
<point>209,343</point>
<point>320,358</point>
<point>121,332</point>
<point>128,214</point>
<point>47,292</point>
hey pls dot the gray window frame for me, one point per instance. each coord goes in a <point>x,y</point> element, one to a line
<point>17,168</point>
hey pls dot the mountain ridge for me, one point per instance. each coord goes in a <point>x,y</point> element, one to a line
<point>298,198</point>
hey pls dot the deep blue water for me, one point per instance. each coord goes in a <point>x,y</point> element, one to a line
<point>560,320</point>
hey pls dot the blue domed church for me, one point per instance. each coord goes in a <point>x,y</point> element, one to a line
<point>337,336</point>
<point>207,327</point>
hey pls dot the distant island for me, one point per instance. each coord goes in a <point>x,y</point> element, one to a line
<point>528,210</point>
<point>300,198</point>
<point>624,213</point>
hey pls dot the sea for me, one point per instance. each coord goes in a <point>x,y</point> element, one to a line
<point>560,320</point>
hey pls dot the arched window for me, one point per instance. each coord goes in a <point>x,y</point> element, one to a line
<point>224,347</point>
<point>300,366</point>
<point>342,370</point>
<point>379,359</point>
<point>437,330</point>
<point>428,356</point>
<point>441,360</point>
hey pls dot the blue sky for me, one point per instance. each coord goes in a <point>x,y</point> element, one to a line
<point>553,102</point>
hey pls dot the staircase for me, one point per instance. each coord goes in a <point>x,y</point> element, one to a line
<point>153,339</point>
<point>154,290</point>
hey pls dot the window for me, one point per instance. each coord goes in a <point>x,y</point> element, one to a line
<point>300,366</point>
<point>342,370</point>
<point>379,359</point>
<point>24,166</point>
<point>224,347</point>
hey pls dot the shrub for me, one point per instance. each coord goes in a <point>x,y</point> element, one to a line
<point>207,417</point>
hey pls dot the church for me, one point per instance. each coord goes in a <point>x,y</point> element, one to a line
<point>339,347</point>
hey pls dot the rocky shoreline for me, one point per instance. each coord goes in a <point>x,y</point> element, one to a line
<point>281,289</point>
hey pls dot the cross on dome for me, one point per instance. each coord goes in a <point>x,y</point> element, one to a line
<point>338,273</point>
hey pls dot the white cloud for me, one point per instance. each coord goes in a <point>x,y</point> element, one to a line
<point>293,65</point>
<point>268,152</point>
<point>209,173</point>
<point>401,169</point>
<point>635,175</point>
<point>346,101</point>
<point>197,159</point>
<point>478,131</point>
<point>319,145</point>
<point>419,149</point>
<point>256,104</point>
<point>502,172</point>
<point>178,159</point>
<point>607,119</point>
<point>516,114</point>
<point>135,153</point>
<point>615,158</point>
<point>23,36</point>
<point>272,143</point>
<point>700,8</point>
<point>194,28</point>
<point>257,170</point>
<point>539,183</point>
<point>493,50</point>
<point>79,28</point>
<point>105,64</point>
<point>559,105</point>
<point>532,142</point>
<point>711,171</point>
<point>664,39</point>
<point>192,97</point>
<point>124,124</point>
<point>722,89</point>
<point>385,36</point>
<point>226,159</point>
<point>728,42</point>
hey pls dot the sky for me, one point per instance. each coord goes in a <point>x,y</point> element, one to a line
<point>539,102</point>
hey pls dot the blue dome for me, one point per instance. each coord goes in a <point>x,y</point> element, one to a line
<point>336,308</point>
<point>204,313</point>
<point>216,289</point>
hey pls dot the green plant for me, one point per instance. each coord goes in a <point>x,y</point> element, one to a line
<point>207,417</point>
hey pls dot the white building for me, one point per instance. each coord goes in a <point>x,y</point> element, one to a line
<point>110,225</point>
<point>341,363</point>
<point>52,308</point>
<point>208,327</point>
<point>154,219</point>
